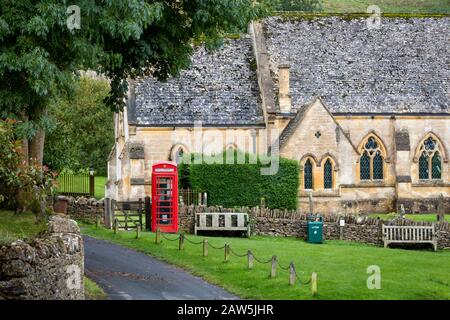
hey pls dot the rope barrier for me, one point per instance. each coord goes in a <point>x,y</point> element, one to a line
<point>281,267</point>
<point>218,248</point>
<point>262,262</point>
<point>299,280</point>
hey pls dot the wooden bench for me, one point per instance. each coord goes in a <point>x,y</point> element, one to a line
<point>222,221</point>
<point>409,234</point>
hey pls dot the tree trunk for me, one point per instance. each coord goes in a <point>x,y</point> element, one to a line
<point>37,146</point>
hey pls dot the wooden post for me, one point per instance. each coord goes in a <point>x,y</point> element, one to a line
<point>291,274</point>
<point>97,221</point>
<point>181,242</point>
<point>273,270</point>
<point>116,226</point>
<point>138,231</point>
<point>205,248</point>
<point>158,236</point>
<point>250,259</point>
<point>205,199</point>
<point>91,183</point>
<point>107,214</point>
<point>226,252</point>
<point>199,198</point>
<point>441,209</point>
<point>148,213</point>
<point>314,284</point>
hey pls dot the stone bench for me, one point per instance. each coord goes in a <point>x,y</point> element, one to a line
<point>222,221</point>
<point>409,234</point>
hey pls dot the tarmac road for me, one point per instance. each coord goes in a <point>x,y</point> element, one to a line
<point>128,274</point>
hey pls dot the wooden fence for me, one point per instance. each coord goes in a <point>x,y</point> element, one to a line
<point>80,184</point>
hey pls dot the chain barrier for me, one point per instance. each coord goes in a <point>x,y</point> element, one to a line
<point>193,242</point>
<point>169,238</point>
<point>236,254</point>
<point>240,256</point>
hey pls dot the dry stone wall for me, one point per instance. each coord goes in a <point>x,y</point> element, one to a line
<point>46,268</point>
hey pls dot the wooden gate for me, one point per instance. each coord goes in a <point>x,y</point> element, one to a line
<point>127,214</point>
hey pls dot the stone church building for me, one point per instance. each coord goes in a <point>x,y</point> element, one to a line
<point>365,111</point>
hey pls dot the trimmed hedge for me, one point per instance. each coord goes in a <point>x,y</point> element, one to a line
<point>231,185</point>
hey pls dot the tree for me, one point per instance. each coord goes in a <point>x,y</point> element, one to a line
<point>297,5</point>
<point>84,131</point>
<point>43,47</point>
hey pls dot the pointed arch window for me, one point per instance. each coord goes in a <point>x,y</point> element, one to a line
<point>328,175</point>
<point>178,156</point>
<point>430,161</point>
<point>308,174</point>
<point>371,165</point>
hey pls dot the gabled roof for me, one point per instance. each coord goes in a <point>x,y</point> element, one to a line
<point>292,126</point>
<point>220,89</point>
<point>403,67</point>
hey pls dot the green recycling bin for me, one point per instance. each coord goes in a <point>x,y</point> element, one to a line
<point>315,229</point>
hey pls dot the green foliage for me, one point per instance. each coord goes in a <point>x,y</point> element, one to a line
<point>84,132</point>
<point>232,185</point>
<point>297,5</point>
<point>40,56</point>
<point>28,184</point>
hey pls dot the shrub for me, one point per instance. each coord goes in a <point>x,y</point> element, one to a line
<point>232,185</point>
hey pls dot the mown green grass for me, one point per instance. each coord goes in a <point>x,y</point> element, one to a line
<point>341,266</point>
<point>18,226</point>
<point>99,185</point>
<point>387,6</point>
<point>92,291</point>
<point>414,217</point>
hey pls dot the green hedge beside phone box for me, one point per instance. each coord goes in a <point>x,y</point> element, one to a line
<point>231,185</point>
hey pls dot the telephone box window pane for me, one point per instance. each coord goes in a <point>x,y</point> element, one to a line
<point>308,175</point>
<point>364,167</point>
<point>328,175</point>
<point>436,166</point>
<point>378,167</point>
<point>423,167</point>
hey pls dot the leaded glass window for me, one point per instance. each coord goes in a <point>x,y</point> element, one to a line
<point>179,155</point>
<point>371,162</point>
<point>328,174</point>
<point>308,176</point>
<point>430,161</point>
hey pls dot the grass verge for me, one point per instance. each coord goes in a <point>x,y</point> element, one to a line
<point>92,291</point>
<point>414,217</point>
<point>341,266</point>
<point>18,226</point>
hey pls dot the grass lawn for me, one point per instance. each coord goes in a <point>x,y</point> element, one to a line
<point>341,266</point>
<point>387,6</point>
<point>92,291</point>
<point>18,226</point>
<point>414,217</point>
<point>99,185</point>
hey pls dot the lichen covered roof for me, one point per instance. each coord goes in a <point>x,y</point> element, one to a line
<point>403,67</point>
<point>220,88</point>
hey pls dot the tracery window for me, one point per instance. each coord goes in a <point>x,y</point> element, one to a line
<point>371,162</point>
<point>430,161</point>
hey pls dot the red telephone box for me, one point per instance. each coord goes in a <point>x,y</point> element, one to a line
<point>165,196</point>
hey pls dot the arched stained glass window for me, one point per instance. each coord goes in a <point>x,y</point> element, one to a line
<point>371,163</point>
<point>328,175</point>
<point>430,161</point>
<point>179,155</point>
<point>308,175</point>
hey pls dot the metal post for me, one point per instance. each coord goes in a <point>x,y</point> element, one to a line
<point>205,248</point>
<point>273,270</point>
